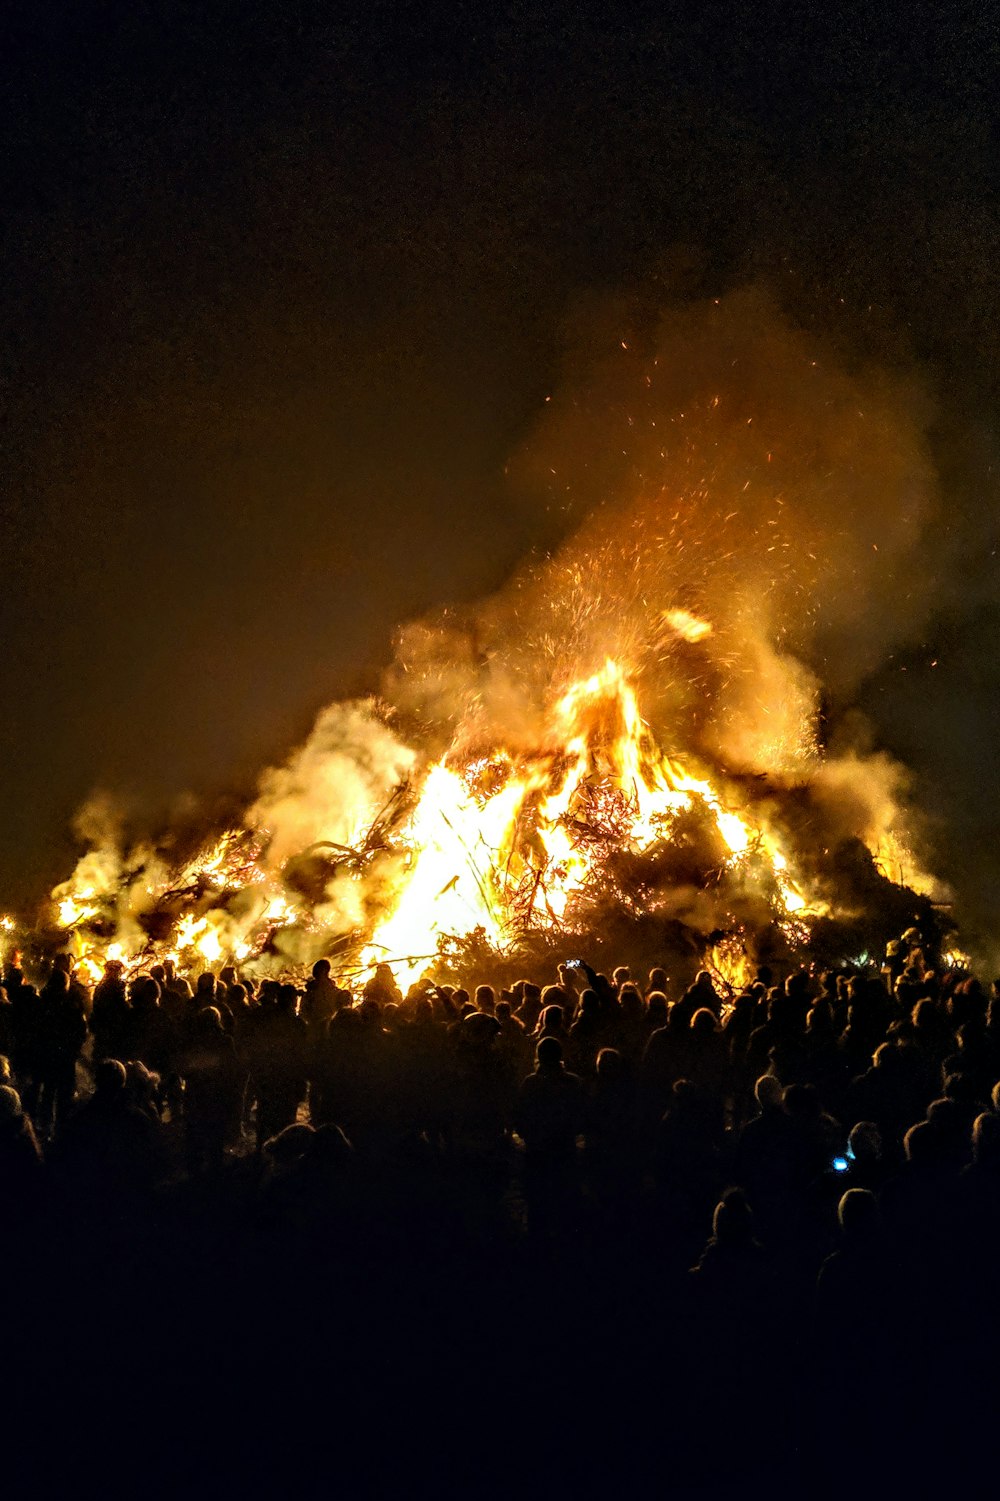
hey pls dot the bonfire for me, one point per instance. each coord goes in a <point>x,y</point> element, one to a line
<point>596,840</point>
<point>623,755</point>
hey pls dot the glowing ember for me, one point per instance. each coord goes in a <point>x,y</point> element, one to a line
<point>687,626</point>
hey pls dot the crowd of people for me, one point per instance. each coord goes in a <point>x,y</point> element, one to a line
<point>857,1097</point>
<point>820,1150</point>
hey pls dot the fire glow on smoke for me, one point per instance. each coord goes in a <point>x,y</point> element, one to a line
<point>503,845</point>
<point>628,731</point>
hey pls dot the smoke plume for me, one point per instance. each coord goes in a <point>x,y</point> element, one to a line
<point>737,513</point>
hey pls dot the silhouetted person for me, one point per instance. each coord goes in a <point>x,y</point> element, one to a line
<point>978,1226</point>
<point>321,1000</point>
<point>310,1188</point>
<point>25,1035</point>
<point>108,1153</point>
<point>765,1151</point>
<point>657,981</point>
<point>512,1043</point>
<point>613,1156</point>
<point>62,1031</point>
<point>891,1093</point>
<point>213,1092</point>
<point>586,1032</point>
<point>529,1004</point>
<point>279,1067</point>
<point>857,1298</point>
<point>687,1163</point>
<point>920,1207</point>
<point>481,1094</point>
<point>111,1015</point>
<point>732,1280</point>
<point>549,1116</point>
<point>486,999</point>
<point>867,1166</point>
<point>631,1027</point>
<point>382,987</point>
<point>6,1023</point>
<point>706,1061</point>
<point>779,1036</point>
<point>552,1023</point>
<point>701,993</point>
<point>150,1028</point>
<point>662,1065</point>
<point>21,1172</point>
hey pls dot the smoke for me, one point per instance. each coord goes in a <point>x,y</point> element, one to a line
<point>99,824</point>
<point>327,794</point>
<point>720,460</point>
<point>713,463</point>
<point>717,458</point>
<point>332,787</point>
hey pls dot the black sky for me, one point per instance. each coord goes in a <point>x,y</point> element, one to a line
<point>283,287</point>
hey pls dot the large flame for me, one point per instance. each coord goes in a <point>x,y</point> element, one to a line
<point>501,844</point>
<point>629,726</point>
<point>507,844</point>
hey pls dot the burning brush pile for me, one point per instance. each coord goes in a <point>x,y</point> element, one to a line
<point>596,840</point>
<point>643,749</point>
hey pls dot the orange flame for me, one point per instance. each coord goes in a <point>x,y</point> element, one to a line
<point>497,845</point>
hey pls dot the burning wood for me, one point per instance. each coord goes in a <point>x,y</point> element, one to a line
<point>590,833</point>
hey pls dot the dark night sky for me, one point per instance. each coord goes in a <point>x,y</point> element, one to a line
<point>282,288</point>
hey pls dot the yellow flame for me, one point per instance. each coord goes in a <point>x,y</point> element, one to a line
<point>728,962</point>
<point>210,947</point>
<point>501,844</point>
<point>200,935</point>
<point>468,851</point>
<point>76,909</point>
<point>896,860</point>
<point>689,627</point>
<point>277,910</point>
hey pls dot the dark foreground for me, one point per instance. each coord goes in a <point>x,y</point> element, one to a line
<point>403,1346</point>
<point>691,1251</point>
